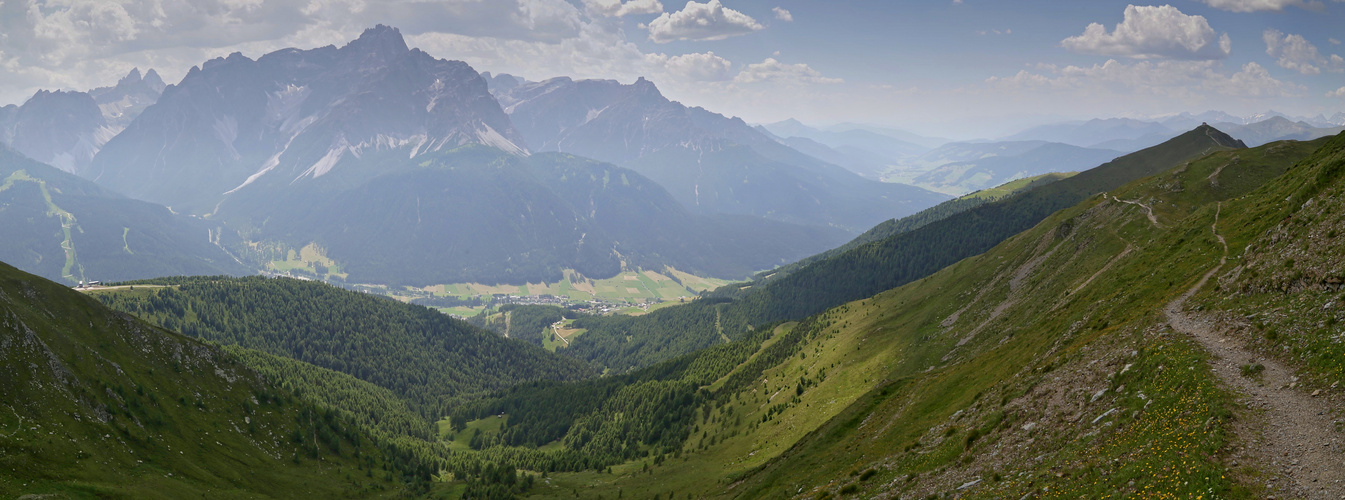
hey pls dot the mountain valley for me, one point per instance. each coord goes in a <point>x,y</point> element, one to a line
<point>840,251</point>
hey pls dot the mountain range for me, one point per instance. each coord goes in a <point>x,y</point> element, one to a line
<point>1129,134</point>
<point>65,129</point>
<point>288,118</point>
<point>708,162</point>
<point>323,147</point>
<point>1008,161</point>
<point>1278,128</point>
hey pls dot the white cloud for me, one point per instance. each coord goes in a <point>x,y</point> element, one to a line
<point>1163,78</point>
<point>783,14</point>
<point>1260,5</point>
<point>1295,53</point>
<point>1148,32</point>
<point>995,32</point>
<point>1253,81</point>
<point>599,50</point>
<point>81,44</point>
<point>772,70</point>
<point>1340,92</point>
<point>617,8</point>
<point>694,67</point>
<point>701,21</point>
<point>1333,41</point>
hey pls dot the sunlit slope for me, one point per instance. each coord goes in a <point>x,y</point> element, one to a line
<point>1047,363</point>
<point>892,262</point>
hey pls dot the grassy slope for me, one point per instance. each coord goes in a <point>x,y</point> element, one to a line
<point>1285,293</point>
<point>622,344</point>
<point>1004,355</point>
<point>905,257</point>
<point>100,405</point>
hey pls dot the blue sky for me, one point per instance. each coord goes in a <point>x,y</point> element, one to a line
<point>962,69</point>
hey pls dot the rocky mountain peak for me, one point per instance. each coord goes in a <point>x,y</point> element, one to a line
<point>382,41</point>
<point>135,81</point>
<point>132,77</point>
<point>645,86</point>
<point>153,81</point>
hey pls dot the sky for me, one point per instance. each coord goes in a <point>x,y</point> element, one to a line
<point>955,68</point>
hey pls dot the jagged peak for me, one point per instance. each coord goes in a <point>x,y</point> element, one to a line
<point>642,84</point>
<point>380,39</point>
<point>132,77</point>
<point>235,57</point>
<point>152,79</point>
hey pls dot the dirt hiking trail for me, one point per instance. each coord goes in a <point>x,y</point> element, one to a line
<point>1297,441</point>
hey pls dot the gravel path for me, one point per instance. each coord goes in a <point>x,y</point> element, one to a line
<point>1298,440</point>
<point>1148,210</point>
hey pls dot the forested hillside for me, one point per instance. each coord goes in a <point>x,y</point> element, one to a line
<point>425,357</point>
<point>100,405</point>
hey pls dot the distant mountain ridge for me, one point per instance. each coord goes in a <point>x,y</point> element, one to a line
<point>1091,133</point>
<point>65,129</point>
<point>709,162</point>
<point>1278,128</point>
<point>963,177</point>
<point>863,151</point>
<point>477,214</point>
<point>1129,134</point>
<point>69,229</point>
<point>296,114</point>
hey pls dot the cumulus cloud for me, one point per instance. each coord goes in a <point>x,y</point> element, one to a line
<point>1295,53</point>
<point>617,8</point>
<point>772,70</point>
<point>1148,32</point>
<point>1166,78</point>
<point>1333,41</point>
<point>694,67</point>
<point>1260,5</point>
<point>80,44</point>
<point>701,21</point>
<point>599,50</point>
<point>1340,92</point>
<point>783,14</point>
